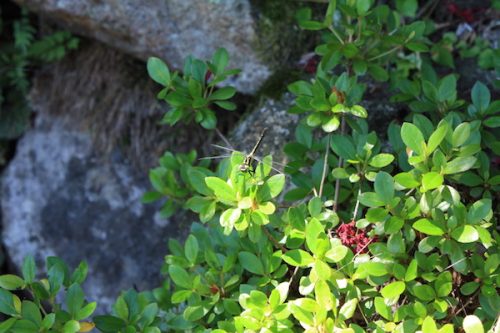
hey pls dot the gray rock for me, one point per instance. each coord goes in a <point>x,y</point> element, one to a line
<point>271,114</point>
<point>170,29</point>
<point>59,198</point>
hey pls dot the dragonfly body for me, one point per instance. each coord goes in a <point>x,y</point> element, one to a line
<point>246,166</point>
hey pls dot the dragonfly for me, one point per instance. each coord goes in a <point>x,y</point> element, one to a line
<point>247,166</point>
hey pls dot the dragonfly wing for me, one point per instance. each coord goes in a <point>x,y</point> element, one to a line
<point>224,148</point>
<point>214,157</point>
<point>268,164</point>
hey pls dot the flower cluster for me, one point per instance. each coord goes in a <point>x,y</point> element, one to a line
<point>466,14</point>
<point>354,238</point>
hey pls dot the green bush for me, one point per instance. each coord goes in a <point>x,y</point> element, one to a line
<point>20,49</point>
<point>390,234</point>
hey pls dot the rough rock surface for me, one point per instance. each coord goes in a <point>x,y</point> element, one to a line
<point>271,114</point>
<point>170,29</point>
<point>109,94</point>
<point>59,198</point>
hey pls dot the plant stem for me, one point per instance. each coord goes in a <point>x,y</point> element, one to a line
<point>325,165</point>
<point>336,34</point>
<point>341,162</point>
<point>384,53</point>
<point>356,208</point>
<point>274,240</point>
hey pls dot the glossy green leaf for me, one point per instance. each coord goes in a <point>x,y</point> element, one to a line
<point>180,276</point>
<point>481,96</point>
<point>428,227</point>
<point>459,164</point>
<point>431,180</point>
<point>381,160</point>
<point>222,190</point>
<point>251,263</point>
<point>393,290</point>
<point>191,248</point>
<point>29,269</point>
<point>158,71</point>
<point>413,138</point>
<point>298,257</point>
<point>465,234</point>
<point>384,186</point>
<point>11,282</point>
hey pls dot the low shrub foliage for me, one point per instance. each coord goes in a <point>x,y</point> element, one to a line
<point>361,233</point>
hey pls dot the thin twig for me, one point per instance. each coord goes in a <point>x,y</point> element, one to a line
<point>325,165</point>
<point>337,182</point>
<point>384,53</point>
<point>274,240</point>
<point>356,208</point>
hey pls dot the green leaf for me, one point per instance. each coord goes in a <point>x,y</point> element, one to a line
<point>465,234</point>
<point>71,326</point>
<point>413,138</point>
<point>429,325</point>
<point>460,134</point>
<point>384,186</point>
<point>31,312</point>
<point>378,73</point>
<point>480,96</point>
<point>424,292</point>
<point>336,253</point>
<point>229,218</point>
<point>436,137</point>
<point>348,308</point>
<point>7,324</point>
<point>86,311</point>
<point>407,7</point>
<point>358,111</point>
<point>226,105</point>
<point>331,125</point>
<point>191,249</point>
<point>362,7</point>
<point>382,309</point>
<point>479,211</point>
<point>220,59</point>
<point>271,188</point>
<point>381,160</point>
<point>11,282</point>
<point>492,122</point>
<point>406,180</point>
<point>393,290</point>
<point>373,268</point>
<point>473,324</point>
<point>447,89</point>
<point>298,257</point>
<point>459,164</point>
<point>223,93</point>
<point>251,263</point>
<point>431,180</point>
<point>343,147</point>
<point>180,276</point>
<point>411,271</point>
<point>371,199</point>
<point>74,299</point>
<point>222,190</point>
<point>7,303</point>
<point>443,284</point>
<point>29,269</point>
<point>315,206</point>
<point>428,227</point>
<point>158,71</point>
<point>109,324</point>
